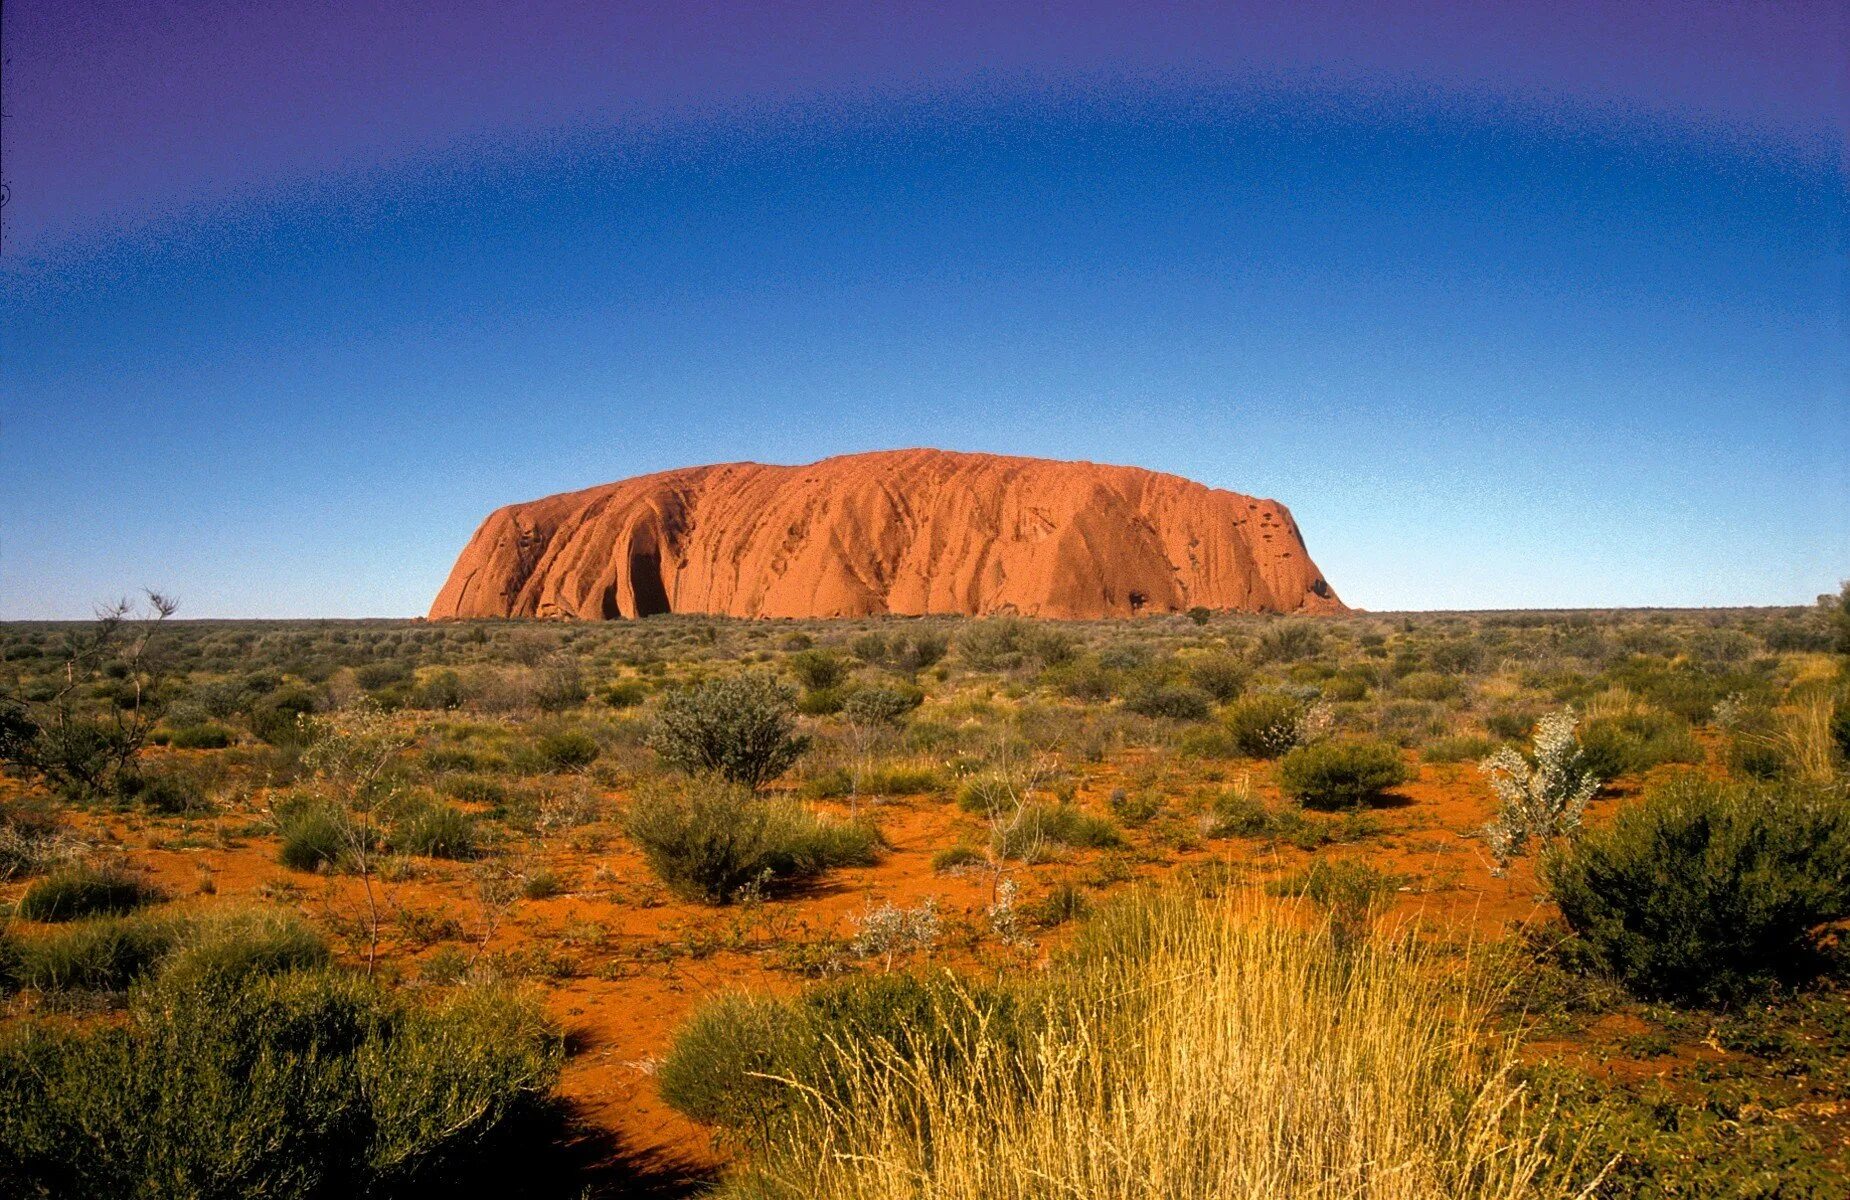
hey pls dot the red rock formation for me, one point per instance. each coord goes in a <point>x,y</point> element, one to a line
<point>901,531</point>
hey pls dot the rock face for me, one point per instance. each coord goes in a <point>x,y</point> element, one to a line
<point>902,531</point>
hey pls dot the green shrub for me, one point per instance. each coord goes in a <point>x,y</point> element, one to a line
<point>819,670</point>
<point>1288,641</point>
<point>474,789</point>
<point>274,718</point>
<point>1235,812</point>
<point>985,793</point>
<point>1430,685</point>
<point>879,705</point>
<point>1707,890</point>
<point>305,1084</point>
<point>1221,676</point>
<point>710,841</point>
<point>1084,679</point>
<point>436,831</point>
<point>740,727</point>
<point>1341,774</point>
<point>1265,725</point>
<point>1005,643</point>
<point>830,784</point>
<point>84,891</point>
<point>1179,702</point>
<point>1207,741</point>
<point>1134,808</point>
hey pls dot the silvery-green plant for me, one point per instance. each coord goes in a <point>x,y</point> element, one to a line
<point>890,931</point>
<point>1541,798</point>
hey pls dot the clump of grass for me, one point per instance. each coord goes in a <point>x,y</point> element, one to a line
<point>1343,774</point>
<point>1201,1049</point>
<point>733,1063</point>
<point>1460,748</point>
<point>95,956</point>
<point>85,891</point>
<point>315,837</point>
<point>240,943</point>
<point>710,841</point>
<point>957,858</point>
<point>1030,831</point>
<point>1636,742</point>
<point>437,831</point>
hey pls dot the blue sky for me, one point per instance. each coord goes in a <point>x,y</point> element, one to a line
<point>1491,351</point>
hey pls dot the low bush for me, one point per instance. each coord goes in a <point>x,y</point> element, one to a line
<point>740,727</point>
<point>1179,702</point>
<point>624,694</point>
<point>1341,774</point>
<point>1236,813</point>
<point>566,750</point>
<point>819,670</point>
<point>304,1084</point>
<point>275,718</point>
<point>880,706</point>
<point>85,891</point>
<point>167,792</point>
<point>710,841</point>
<point>1221,676</point>
<point>1265,725</point>
<point>1708,890</point>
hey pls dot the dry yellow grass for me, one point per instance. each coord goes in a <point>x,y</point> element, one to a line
<point>1234,1056</point>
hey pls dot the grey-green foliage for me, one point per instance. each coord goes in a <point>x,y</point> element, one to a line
<point>1707,890</point>
<point>307,1084</point>
<point>710,841</point>
<point>742,727</point>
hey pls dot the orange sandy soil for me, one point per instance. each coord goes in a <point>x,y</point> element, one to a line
<point>620,962</point>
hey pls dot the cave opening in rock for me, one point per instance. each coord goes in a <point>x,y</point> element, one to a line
<point>646,590</point>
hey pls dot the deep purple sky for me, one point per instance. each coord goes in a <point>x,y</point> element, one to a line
<point>1514,305</point>
<point>119,110</point>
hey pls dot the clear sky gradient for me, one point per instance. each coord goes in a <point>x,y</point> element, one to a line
<point>1513,307</point>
